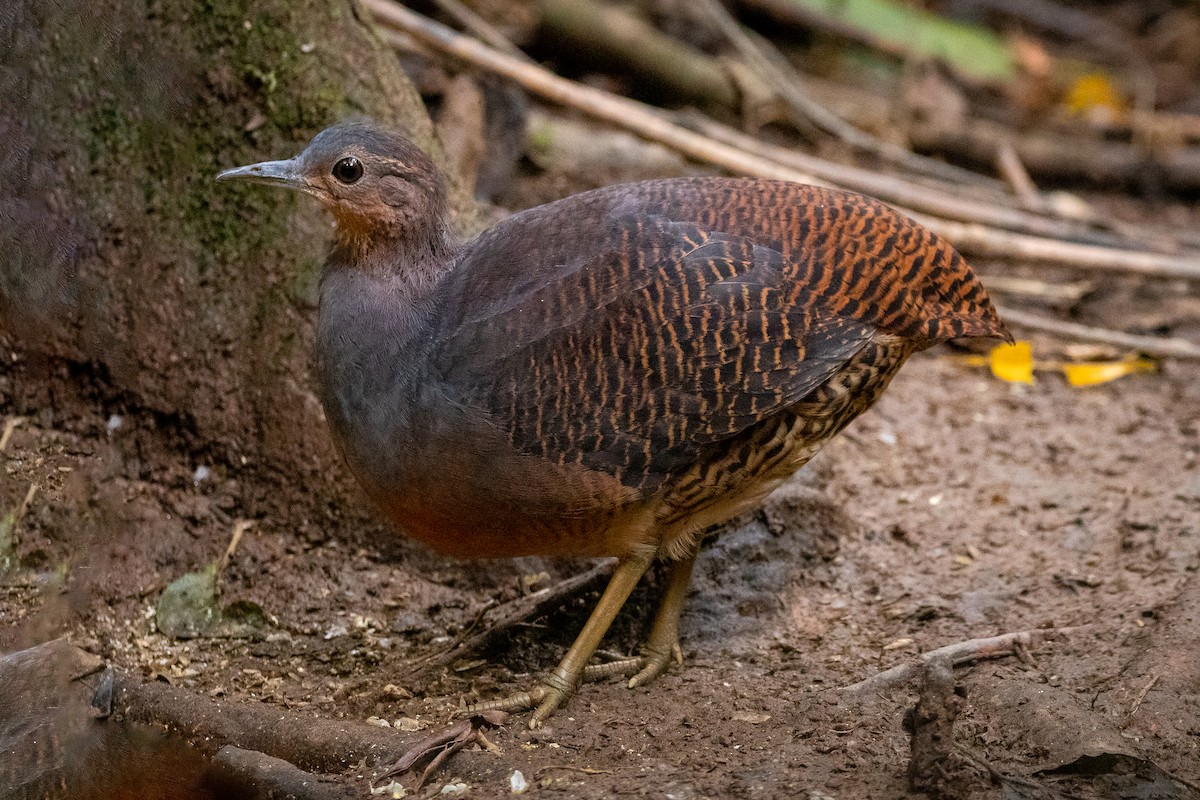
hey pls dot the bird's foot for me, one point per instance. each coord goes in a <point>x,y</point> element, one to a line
<point>654,663</point>
<point>544,699</point>
<point>640,669</point>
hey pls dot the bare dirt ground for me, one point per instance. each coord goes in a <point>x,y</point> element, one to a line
<point>960,507</point>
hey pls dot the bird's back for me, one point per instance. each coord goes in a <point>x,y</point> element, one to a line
<point>860,258</point>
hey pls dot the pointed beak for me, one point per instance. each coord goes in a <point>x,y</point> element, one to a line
<point>274,173</point>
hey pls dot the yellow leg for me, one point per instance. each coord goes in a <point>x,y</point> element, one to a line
<point>663,643</point>
<point>664,636</point>
<point>566,677</point>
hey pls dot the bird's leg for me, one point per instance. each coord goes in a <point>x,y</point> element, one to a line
<point>663,643</point>
<point>566,677</point>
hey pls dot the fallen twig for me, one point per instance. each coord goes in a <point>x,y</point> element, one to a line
<point>1064,293</point>
<point>982,764</point>
<point>504,617</point>
<point>1137,701</point>
<point>641,119</point>
<point>961,204</point>
<point>439,746</point>
<point>1014,172</point>
<point>982,240</point>
<point>1083,155</point>
<point>761,56</point>
<point>239,528</point>
<point>1157,346</point>
<point>10,425</point>
<point>481,28</point>
<point>957,654</point>
<point>655,57</point>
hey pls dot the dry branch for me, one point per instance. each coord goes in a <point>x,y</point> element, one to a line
<point>1063,156</point>
<point>504,617</point>
<point>630,114</point>
<point>936,199</point>
<point>1157,346</point>
<point>957,654</point>
<point>973,239</point>
<point>982,240</point>
<point>655,57</point>
<point>775,70</point>
<point>1057,293</point>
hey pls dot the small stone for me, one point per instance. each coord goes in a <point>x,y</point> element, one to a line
<point>517,782</point>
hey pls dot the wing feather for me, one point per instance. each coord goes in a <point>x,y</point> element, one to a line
<point>661,340</point>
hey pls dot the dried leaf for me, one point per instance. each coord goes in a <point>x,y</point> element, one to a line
<point>1012,363</point>
<point>1090,374</point>
<point>1095,98</point>
<point>1015,364</point>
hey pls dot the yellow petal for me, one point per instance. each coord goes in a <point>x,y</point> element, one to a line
<point>1013,362</point>
<point>1104,371</point>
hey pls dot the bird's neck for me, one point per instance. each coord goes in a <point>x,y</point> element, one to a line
<point>399,247</point>
<point>376,309</point>
<point>382,282</point>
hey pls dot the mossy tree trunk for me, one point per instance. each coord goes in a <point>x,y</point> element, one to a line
<point>184,303</point>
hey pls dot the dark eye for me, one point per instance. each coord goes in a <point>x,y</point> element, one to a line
<point>348,169</point>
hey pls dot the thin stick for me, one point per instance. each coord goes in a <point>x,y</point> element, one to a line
<point>1137,701</point>
<point>928,198</point>
<point>481,28</point>
<point>761,56</point>
<point>508,615</point>
<point>1010,166</point>
<point>958,654</point>
<point>19,514</point>
<point>239,528</point>
<point>974,239</point>
<point>981,240</point>
<point>1028,287</point>
<point>1159,347</point>
<point>10,425</point>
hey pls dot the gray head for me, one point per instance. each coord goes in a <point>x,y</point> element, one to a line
<point>381,188</point>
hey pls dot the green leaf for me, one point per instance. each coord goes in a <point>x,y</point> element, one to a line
<point>972,50</point>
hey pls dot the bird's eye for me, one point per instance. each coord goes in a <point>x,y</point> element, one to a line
<point>348,170</point>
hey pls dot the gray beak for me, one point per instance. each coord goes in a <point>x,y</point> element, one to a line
<point>274,173</point>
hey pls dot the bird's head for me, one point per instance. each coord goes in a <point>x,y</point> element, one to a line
<point>380,187</point>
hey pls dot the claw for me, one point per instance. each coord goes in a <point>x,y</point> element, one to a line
<point>654,663</point>
<point>552,699</point>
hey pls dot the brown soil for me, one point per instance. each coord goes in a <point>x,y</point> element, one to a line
<point>959,507</point>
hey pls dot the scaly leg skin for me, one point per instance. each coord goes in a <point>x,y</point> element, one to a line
<point>562,682</point>
<point>664,636</point>
<point>663,644</point>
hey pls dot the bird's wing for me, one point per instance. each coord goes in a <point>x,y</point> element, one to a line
<point>633,351</point>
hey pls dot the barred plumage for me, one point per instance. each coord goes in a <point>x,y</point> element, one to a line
<point>610,373</point>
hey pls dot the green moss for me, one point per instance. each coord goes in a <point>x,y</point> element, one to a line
<point>305,285</point>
